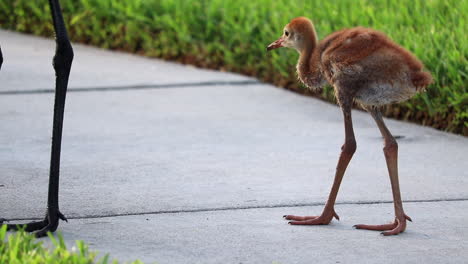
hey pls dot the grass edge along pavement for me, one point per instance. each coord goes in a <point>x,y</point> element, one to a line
<point>23,248</point>
<point>232,35</point>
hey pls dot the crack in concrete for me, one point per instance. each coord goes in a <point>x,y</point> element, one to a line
<point>135,87</point>
<point>216,209</point>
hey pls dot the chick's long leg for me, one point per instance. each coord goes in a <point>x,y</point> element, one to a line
<point>347,151</point>
<point>391,157</point>
<point>62,64</point>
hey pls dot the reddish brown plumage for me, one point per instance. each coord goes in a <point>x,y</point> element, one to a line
<point>365,65</point>
<point>421,79</point>
<point>374,69</point>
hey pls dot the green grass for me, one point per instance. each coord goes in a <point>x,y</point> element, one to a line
<point>23,248</point>
<point>232,35</point>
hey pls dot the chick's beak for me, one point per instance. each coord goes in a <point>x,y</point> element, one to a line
<point>277,44</point>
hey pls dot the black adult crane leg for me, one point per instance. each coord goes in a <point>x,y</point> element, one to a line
<point>62,64</point>
<point>1,58</point>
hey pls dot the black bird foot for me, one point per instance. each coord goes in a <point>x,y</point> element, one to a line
<point>39,228</point>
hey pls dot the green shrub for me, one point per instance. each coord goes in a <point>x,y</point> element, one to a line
<point>23,248</point>
<point>232,35</point>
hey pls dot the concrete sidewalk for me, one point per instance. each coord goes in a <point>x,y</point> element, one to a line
<point>172,164</point>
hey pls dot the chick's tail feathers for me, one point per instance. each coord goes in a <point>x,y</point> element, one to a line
<point>421,79</point>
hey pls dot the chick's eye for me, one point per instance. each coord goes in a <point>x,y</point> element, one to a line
<point>286,33</point>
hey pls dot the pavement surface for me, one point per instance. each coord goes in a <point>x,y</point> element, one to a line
<point>167,163</point>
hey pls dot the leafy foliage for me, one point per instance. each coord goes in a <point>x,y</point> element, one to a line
<point>23,248</point>
<point>232,35</point>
